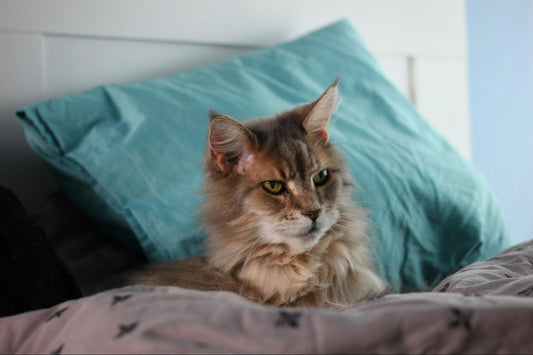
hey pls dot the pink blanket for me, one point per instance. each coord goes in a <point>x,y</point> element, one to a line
<point>484,308</point>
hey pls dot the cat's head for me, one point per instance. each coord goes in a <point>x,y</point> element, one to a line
<point>275,180</point>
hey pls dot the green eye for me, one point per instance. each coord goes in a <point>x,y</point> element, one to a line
<point>273,187</point>
<point>321,178</point>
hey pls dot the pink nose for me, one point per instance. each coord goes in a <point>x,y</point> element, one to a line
<point>313,215</point>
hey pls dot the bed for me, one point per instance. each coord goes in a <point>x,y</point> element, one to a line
<point>467,313</point>
<point>96,84</point>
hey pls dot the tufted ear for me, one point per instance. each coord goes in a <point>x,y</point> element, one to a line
<point>317,119</point>
<point>230,143</point>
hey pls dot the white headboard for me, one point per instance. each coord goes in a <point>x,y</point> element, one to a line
<point>50,48</point>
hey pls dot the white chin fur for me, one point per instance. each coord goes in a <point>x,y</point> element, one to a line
<point>296,233</point>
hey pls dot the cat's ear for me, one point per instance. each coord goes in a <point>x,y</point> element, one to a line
<point>316,120</point>
<point>230,143</point>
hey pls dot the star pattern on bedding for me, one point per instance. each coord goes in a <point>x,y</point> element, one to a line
<point>527,292</point>
<point>291,319</point>
<point>462,319</point>
<point>119,298</point>
<point>57,314</point>
<point>124,329</point>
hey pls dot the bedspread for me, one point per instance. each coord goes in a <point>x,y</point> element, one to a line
<point>486,307</point>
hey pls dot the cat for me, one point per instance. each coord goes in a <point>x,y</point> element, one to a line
<point>282,228</point>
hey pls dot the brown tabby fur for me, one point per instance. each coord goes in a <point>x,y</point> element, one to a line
<point>303,247</point>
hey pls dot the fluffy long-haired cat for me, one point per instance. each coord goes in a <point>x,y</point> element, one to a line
<point>282,228</point>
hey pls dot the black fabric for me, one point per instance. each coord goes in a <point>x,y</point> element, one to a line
<point>96,259</point>
<point>31,274</point>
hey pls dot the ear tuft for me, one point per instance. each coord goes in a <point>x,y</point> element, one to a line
<point>317,119</point>
<point>212,113</point>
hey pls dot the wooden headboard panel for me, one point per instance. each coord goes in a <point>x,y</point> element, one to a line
<point>50,48</point>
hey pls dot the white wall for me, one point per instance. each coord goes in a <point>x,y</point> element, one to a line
<point>500,36</point>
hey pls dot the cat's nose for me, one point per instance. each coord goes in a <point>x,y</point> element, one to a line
<point>313,215</point>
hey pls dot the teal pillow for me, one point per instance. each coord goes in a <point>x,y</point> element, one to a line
<point>130,155</point>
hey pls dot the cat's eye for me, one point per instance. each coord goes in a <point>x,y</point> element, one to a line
<point>273,187</point>
<point>321,178</point>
